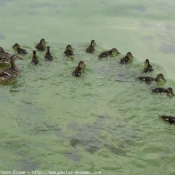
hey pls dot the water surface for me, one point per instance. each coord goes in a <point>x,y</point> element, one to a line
<point>106,120</point>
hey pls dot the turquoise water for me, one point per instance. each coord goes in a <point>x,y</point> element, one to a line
<point>105,121</point>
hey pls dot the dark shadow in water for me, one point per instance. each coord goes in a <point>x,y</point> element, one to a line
<point>73,155</point>
<point>2,37</point>
<point>4,2</point>
<point>141,8</point>
<point>167,48</point>
<point>89,138</point>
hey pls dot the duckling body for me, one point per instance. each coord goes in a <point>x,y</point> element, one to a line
<point>48,56</point>
<point>126,59</point>
<point>168,91</point>
<point>69,51</point>
<point>169,119</point>
<point>35,60</point>
<point>40,46</point>
<point>4,57</point>
<point>77,72</point>
<point>19,49</point>
<point>148,67</point>
<point>108,53</point>
<point>90,49</point>
<point>150,79</point>
<point>13,71</point>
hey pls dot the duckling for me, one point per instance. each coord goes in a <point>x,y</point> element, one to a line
<point>108,53</point>
<point>150,79</point>
<point>4,57</point>
<point>168,91</point>
<point>40,46</point>
<point>13,71</point>
<point>148,67</point>
<point>69,51</point>
<point>35,60</point>
<point>18,49</point>
<point>127,58</point>
<point>78,70</point>
<point>169,119</point>
<point>90,49</point>
<point>48,56</point>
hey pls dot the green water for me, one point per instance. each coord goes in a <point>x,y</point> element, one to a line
<point>105,121</point>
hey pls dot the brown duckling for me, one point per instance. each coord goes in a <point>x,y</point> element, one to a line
<point>4,57</point>
<point>78,70</point>
<point>90,49</point>
<point>48,56</point>
<point>169,119</point>
<point>35,60</point>
<point>19,50</point>
<point>148,67</point>
<point>108,53</point>
<point>40,46</point>
<point>69,51</point>
<point>168,91</point>
<point>13,71</point>
<point>127,58</point>
<point>150,79</point>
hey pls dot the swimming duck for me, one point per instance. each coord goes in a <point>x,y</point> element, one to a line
<point>90,49</point>
<point>18,49</point>
<point>13,71</point>
<point>150,79</point>
<point>78,70</point>
<point>108,53</point>
<point>148,67</point>
<point>169,119</point>
<point>48,56</point>
<point>69,51</point>
<point>4,57</point>
<point>168,91</point>
<point>35,60</point>
<point>40,46</point>
<point>127,58</point>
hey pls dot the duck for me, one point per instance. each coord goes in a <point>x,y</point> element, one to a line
<point>19,50</point>
<point>169,119</point>
<point>168,91</point>
<point>40,46</point>
<point>78,70</point>
<point>48,56</point>
<point>127,58</point>
<point>69,51</point>
<point>148,67</point>
<point>150,79</point>
<point>12,72</point>
<point>4,57</point>
<point>108,53</point>
<point>35,60</point>
<point>90,49</point>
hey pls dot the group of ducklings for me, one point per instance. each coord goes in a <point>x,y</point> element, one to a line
<point>13,71</point>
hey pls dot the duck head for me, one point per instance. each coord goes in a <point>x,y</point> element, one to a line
<point>129,55</point>
<point>160,77</point>
<point>170,91</point>
<point>1,50</point>
<point>16,46</point>
<point>114,50</point>
<point>93,43</point>
<point>69,47</point>
<point>146,62</point>
<point>81,64</point>
<point>42,41</point>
